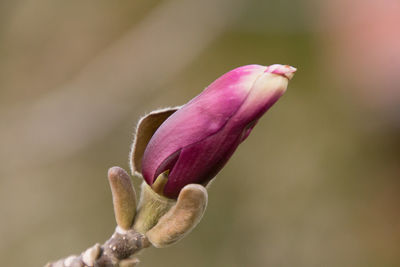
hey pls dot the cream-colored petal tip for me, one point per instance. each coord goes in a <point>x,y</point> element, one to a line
<point>285,70</point>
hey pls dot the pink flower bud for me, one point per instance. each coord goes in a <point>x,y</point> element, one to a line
<point>196,141</point>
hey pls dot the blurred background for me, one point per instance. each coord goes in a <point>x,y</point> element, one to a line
<point>316,184</point>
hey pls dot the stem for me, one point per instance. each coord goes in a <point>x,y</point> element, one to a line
<point>151,207</point>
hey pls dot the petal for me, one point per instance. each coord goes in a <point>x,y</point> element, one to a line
<point>202,117</point>
<point>265,92</point>
<point>201,161</point>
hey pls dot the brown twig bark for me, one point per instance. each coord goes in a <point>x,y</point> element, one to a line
<point>116,251</point>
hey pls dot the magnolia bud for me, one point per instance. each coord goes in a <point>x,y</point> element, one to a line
<point>195,142</point>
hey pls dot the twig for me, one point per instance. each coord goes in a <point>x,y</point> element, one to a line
<point>116,251</point>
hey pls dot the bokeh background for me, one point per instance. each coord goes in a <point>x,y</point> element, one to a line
<point>316,184</point>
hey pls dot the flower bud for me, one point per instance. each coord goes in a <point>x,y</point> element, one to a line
<point>196,141</point>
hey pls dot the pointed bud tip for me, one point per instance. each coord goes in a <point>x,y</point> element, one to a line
<point>284,70</point>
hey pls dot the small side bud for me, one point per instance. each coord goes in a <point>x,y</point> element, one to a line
<point>124,197</point>
<point>181,218</point>
<point>91,254</point>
